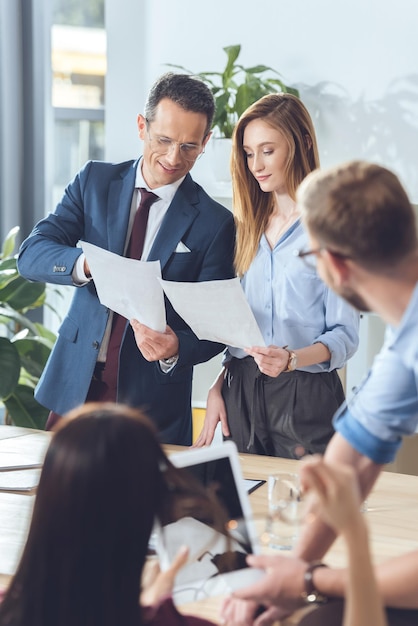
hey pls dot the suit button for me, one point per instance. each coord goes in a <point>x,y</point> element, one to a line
<point>95,345</point>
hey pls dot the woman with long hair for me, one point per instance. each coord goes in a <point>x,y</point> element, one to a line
<point>104,482</point>
<point>279,399</point>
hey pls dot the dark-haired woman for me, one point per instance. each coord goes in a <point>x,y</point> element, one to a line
<point>104,481</point>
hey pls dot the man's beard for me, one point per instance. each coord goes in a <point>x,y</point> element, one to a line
<point>348,294</point>
<point>354,299</point>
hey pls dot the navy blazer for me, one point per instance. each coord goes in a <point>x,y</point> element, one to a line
<point>95,208</point>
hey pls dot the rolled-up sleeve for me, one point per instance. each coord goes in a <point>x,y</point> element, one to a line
<point>384,409</point>
<point>365,442</point>
<point>342,330</point>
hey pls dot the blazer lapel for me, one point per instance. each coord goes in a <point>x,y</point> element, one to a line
<point>180,215</point>
<point>119,208</point>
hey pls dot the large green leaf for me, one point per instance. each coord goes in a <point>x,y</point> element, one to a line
<point>9,367</point>
<point>21,294</point>
<point>9,263</point>
<point>10,242</point>
<point>45,333</point>
<point>7,274</point>
<point>34,352</point>
<point>24,410</point>
<point>8,314</point>
<point>232,53</point>
<point>293,91</point>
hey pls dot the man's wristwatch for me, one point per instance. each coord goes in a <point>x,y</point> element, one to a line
<point>171,359</point>
<point>310,594</point>
<point>292,362</point>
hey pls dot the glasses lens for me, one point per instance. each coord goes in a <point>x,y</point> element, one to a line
<point>189,152</point>
<point>164,145</point>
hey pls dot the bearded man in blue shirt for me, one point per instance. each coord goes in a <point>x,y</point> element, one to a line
<point>362,231</point>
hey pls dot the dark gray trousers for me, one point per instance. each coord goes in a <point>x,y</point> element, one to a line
<point>288,416</point>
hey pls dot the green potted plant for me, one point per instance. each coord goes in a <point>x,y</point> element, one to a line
<point>235,88</point>
<point>24,345</point>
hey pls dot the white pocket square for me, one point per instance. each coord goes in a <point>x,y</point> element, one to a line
<point>181,247</point>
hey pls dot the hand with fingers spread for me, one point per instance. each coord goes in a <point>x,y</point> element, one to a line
<point>215,413</point>
<point>155,346</point>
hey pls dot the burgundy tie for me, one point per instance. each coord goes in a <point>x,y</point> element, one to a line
<point>139,228</point>
<point>105,389</point>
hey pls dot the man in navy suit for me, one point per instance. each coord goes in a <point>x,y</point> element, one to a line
<point>187,231</point>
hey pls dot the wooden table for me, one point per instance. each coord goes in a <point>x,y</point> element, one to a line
<point>392,508</point>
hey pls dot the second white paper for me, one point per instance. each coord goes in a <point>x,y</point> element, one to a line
<point>127,286</point>
<point>216,310</point>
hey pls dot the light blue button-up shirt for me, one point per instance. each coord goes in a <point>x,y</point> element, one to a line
<point>294,307</point>
<point>385,407</point>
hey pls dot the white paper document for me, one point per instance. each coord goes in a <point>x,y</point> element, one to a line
<point>127,286</point>
<point>19,480</point>
<point>24,451</point>
<point>216,310</point>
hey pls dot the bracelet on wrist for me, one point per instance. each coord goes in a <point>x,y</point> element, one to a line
<point>310,594</point>
<point>292,361</point>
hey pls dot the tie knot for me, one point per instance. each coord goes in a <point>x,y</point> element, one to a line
<point>147,197</point>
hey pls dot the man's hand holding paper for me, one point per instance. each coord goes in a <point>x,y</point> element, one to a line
<point>155,346</point>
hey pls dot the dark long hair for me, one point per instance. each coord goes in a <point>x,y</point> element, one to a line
<point>105,479</point>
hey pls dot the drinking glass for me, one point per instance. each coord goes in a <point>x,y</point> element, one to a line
<point>286,509</point>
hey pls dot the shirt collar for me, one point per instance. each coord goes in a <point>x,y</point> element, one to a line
<point>166,192</point>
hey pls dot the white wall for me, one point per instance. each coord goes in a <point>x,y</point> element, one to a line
<point>354,63</point>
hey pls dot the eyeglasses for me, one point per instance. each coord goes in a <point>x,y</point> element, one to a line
<point>307,255</point>
<point>163,145</point>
